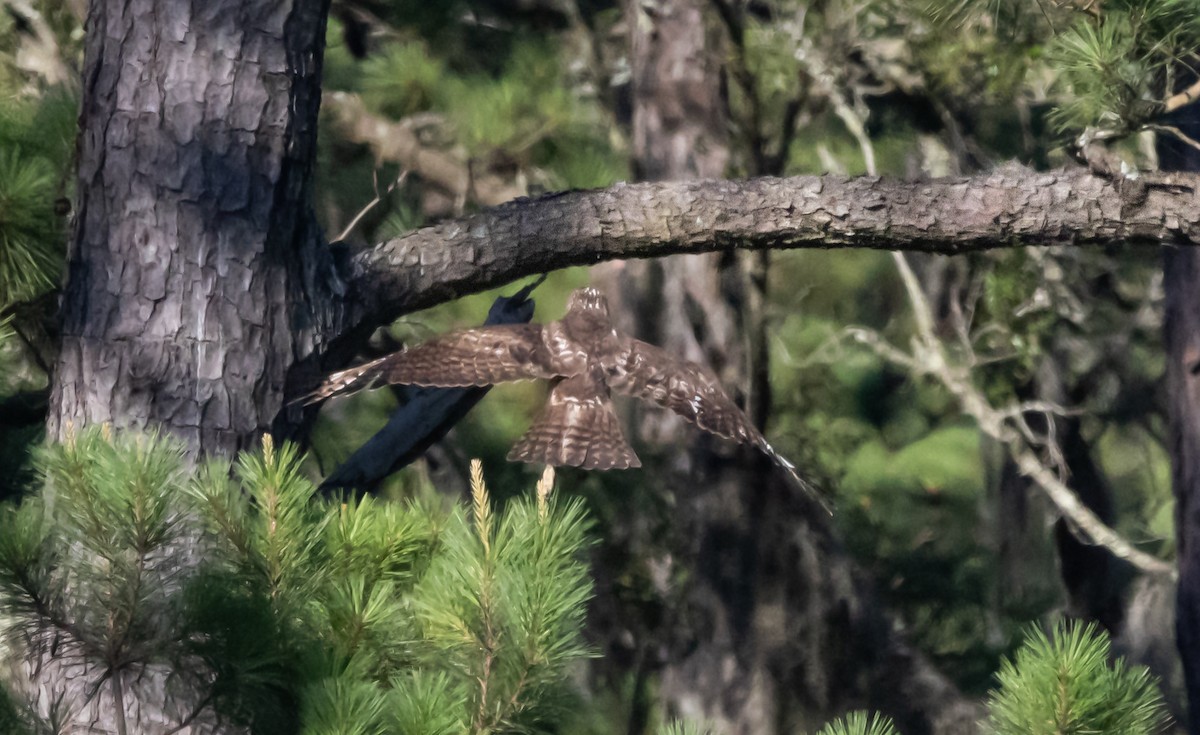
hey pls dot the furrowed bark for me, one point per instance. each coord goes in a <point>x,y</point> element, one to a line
<point>197,279</point>
<point>197,274</point>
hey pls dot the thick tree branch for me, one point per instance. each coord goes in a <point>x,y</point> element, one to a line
<point>1010,207</point>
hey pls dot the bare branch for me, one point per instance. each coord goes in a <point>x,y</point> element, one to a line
<point>1048,408</point>
<point>1179,134</point>
<point>845,112</point>
<point>1005,425</point>
<point>998,424</point>
<point>1083,522</point>
<point>877,344</point>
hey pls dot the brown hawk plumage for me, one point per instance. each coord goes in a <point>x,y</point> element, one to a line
<point>586,358</point>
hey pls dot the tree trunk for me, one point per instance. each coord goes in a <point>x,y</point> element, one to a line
<point>679,133</point>
<point>198,278</point>
<point>1181,271</point>
<point>197,274</point>
<point>1181,284</point>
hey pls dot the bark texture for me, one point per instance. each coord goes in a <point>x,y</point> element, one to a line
<point>678,133</point>
<point>1182,279</point>
<point>198,278</point>
<point>1010,207</point>
<point>197,273</point>
<point>1181,326</point>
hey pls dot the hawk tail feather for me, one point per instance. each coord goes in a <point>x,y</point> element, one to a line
<point>586,435</point>
<point>807,487</point>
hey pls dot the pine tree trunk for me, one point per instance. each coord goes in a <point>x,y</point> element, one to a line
<point>198,279</point>
<point>1181,284</point>
<point>197,276</point>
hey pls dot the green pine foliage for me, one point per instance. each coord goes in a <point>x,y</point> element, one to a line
<point>524,110</point>
<point>505,588</point>
<point>1113,64</point>
<point>1062,684</point>
<point>1118,66</point>
<point>280,612</point>
<point>1065,683</point>
<point>854,723</point>
<point>369,618</point>
<point>402,79</point>
<point>860,723</point>
<point>27,225</point>
<point>36,140</point>
<point>85,567</point>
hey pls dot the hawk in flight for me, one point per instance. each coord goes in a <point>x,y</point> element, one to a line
<point>586,359</point>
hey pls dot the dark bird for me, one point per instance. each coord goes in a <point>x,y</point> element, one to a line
<point>586,358</point>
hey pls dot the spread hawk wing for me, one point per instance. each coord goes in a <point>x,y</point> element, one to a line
<point>471,357</point>
<point>651,373</point>
<point>578,428</point>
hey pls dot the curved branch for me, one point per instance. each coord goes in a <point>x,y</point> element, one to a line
<point>1012,206</point>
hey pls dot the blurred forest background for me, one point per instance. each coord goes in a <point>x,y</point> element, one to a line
<point>718,596</point>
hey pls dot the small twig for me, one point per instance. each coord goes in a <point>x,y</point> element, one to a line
<point>883,348</point>
<point>1179,134</point>
<point>1084,524</point>
<point>1182,99</point>
<point>1049,408</point>
<point>1046,16</point>
<point>374,202</point>
<point>849,117</point>
<point>398,143</point>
